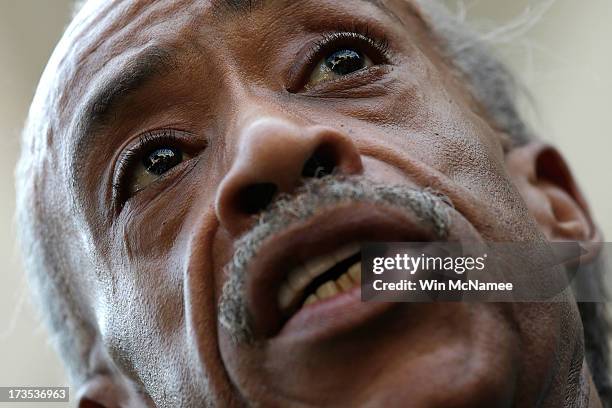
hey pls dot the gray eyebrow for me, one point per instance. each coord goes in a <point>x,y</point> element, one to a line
<point>153,62</point>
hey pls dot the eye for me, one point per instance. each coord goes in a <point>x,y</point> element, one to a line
<point>159,161</point>
<point>341,54</point>
<point>154,163</point>
<point>154,155</point>
<point>337,64</point>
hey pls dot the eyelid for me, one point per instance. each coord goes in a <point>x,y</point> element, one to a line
<point>142,143</point>
<point>357,37</point>
<point>362,83</point>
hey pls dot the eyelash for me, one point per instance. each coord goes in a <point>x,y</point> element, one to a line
<point>146,142</point>
<point>351,36</point>
<point>358,36</point>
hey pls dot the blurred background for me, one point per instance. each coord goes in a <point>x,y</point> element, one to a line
<point>560,50</point>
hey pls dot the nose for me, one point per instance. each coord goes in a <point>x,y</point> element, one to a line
<point>276,155</point>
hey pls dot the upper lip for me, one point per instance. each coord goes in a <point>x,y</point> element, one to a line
<point>328,230</point>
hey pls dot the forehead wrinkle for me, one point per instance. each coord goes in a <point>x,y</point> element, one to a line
<point>240,6</point>
<point>157,60</point>
<point>222,8</point>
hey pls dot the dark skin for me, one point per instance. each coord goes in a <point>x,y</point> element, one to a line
<point>237,103</point>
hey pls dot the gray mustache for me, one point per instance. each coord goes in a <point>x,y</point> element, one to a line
<point>315,195</point>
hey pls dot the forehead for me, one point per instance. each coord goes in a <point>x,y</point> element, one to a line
<point>124,15</point>
<point>106,29</point>
<point>145,36</point>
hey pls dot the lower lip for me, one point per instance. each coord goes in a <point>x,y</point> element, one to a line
<point>345,311</point>
<point>332,316</point>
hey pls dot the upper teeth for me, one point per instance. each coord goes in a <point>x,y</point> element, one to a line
<point>300,277</point>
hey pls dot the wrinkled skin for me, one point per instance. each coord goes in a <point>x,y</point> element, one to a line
<point>235,91</point>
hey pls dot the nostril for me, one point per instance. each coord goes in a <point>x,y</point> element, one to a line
<point>256,197</point>
<point>321,163</point>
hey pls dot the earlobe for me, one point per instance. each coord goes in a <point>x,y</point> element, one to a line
<point>551,194</point>
<point>110,390</point>
<point>106,386</point>
<point>100,391</point>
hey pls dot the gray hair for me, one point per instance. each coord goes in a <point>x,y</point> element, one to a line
<point>490,82</point>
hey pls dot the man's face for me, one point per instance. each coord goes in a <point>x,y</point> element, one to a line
<point>182,122</point>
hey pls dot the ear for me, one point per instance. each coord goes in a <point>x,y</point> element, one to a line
<point>551,194</point>
<point>102,391</point>
<point>107,387</point>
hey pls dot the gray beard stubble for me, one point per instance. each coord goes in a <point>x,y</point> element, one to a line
<point>287,210</point>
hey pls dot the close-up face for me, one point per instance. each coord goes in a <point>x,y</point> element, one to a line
<point>216,166</point>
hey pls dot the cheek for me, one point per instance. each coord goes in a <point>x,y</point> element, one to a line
<point>142,314</point>
<point>442,143</point>
<point>436,141</point>
<point>551,344</point>
<point>143,329</point>
<point>380,170</point>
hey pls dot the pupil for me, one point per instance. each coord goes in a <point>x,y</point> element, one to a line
<point>344,62</point>
<point>161,160</point>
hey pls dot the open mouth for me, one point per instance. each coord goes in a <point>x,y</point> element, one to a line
<point>320,278</point>
<point>307,278</point>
